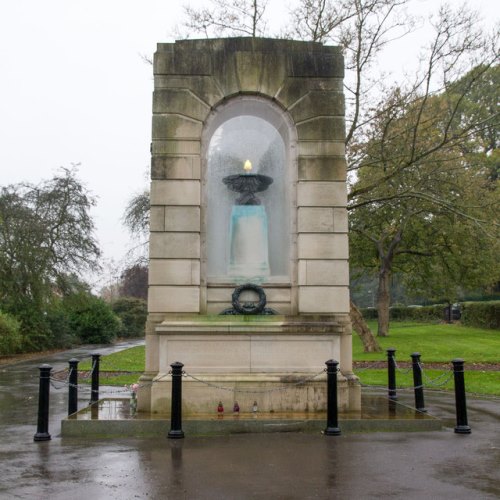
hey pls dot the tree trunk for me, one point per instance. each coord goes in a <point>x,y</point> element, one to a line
<point>383,301</point>
<point>359,325</point>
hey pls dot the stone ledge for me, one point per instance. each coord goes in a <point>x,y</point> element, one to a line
<point>144,424</point>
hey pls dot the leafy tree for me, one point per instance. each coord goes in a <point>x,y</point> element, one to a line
<point>134,282</point>
<point>422,202</point>
<point>10,335</point>
<point>46,238</point>
<point>132,313</point>
<point>91,319</point>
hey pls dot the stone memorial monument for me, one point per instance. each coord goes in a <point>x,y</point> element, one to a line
<point>248,269</point>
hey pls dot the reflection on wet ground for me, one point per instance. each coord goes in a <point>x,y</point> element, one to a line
<point>293,465</point>
<point>372,407</point>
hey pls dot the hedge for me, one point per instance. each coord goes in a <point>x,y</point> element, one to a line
<point>477,314</point>
<point>481,314</point>
<point>401,313</point>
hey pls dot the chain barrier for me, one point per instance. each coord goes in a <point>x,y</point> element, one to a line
<point>256,391</point>
<point>400,370</point>
<point>64,384</point>
<point>440,380</point>
<point>86,388</point>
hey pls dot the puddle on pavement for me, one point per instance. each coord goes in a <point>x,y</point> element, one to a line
<point>373,407</point>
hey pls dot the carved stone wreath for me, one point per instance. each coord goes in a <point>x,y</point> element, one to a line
<point>249,307</point>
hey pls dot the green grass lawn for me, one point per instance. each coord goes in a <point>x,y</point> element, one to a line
<point>435,342</point>
<point>476,381</point>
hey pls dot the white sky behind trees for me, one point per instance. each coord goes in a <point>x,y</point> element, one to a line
<point>74,89</point>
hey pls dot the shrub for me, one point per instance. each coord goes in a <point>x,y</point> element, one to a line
<point>427,314</point>
<point>132,313</point>
<point>58,321</point>
<point>91,319</point>
<point>10,334</point>
<point>369,313</point>
<point>481,314</point>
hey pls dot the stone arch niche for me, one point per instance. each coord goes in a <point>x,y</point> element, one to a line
<point>256,129</point>
<point>242,91</point>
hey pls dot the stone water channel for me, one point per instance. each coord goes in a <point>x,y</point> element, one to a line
<point>292,465</point>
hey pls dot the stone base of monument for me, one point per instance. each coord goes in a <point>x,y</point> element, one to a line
<point>276,362</point>
<point>297,393</point>
<point>115,418</point>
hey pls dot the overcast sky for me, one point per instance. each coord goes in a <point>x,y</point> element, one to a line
<point>74,89</point>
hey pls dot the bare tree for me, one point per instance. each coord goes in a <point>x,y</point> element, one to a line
<point>226,18</point>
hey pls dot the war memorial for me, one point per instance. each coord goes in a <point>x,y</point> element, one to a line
<point>248,257</point>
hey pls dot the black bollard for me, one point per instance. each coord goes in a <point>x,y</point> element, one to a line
<point>391,372</point>
<point>42,430</point>
<point>417,382</point>
<point>332,425</point>
<point>73,387</point>
<point>462,426</point>
<point>94,391</point>
<point>176,431</point>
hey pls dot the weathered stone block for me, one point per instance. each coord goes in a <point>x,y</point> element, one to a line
<point>321,148</point>
<point>225,72</point>
<point>324,272</point>
<point>203,87</point>
<point>175,147</point>
<point>322,168</point>
<point>175,167</point>
<point>315,220</point>
<point>179,101</point>
<point>323,246</point>
<point>340,222</point>
<point>296,88</point>
<point>157,218</point>
<point>181,299</point>
<point>323,299</point>
<point>174,272</point>
<point>248,70</point>
<point>175,127</point>
<point>177,62</point>
<point>317,103</point>
<point>274,70</point>
<point>182,219</point>
<point>321,194</point>
<point>327,64</point>
<point>174,246</point>
<point>175,192</point>
<point>327,128</point>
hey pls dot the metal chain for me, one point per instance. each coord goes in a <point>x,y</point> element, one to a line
<point>64,384</point>
<point>438,381</point>
<point>87,388</point>
<point>260,391</point>
<point>400,370</point>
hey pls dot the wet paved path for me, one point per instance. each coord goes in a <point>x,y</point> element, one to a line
<point>434,465</point>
